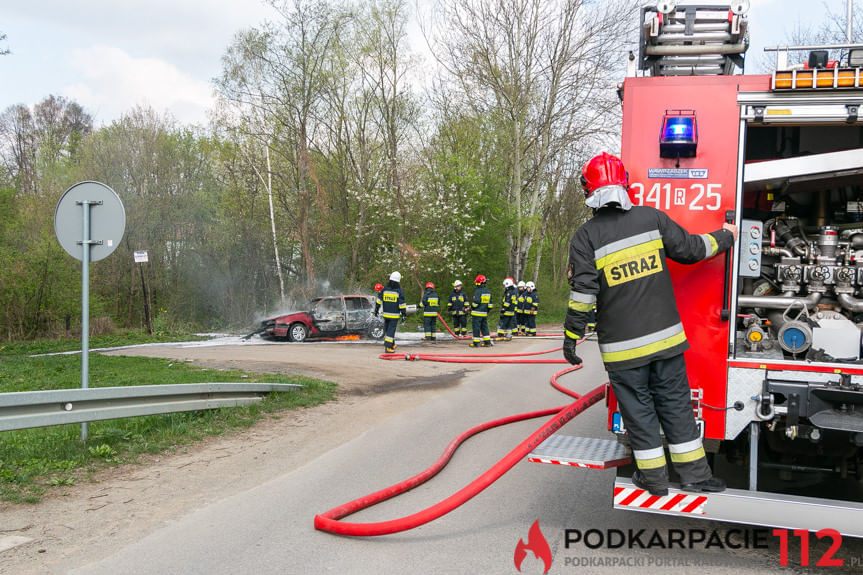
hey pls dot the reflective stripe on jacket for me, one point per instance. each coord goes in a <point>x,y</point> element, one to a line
<point>531,302</point>
<point>429,303</point>
<point>510,301</point>
<point>617,260</point>
<point>393,302</point>
<point>482,302</point>
<point>457,302</point>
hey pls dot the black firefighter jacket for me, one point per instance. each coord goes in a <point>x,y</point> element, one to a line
<point>617,260</point>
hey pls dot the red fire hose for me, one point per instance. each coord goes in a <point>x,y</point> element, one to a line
<point>469,337</point>
<point>330,520</point>
<point>475,357</point>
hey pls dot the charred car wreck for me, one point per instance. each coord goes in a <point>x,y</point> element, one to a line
<point>327,317</point>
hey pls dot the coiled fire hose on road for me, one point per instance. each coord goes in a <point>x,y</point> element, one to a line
<point>330,521</point>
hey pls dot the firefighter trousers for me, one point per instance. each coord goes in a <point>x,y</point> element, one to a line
<point>430,327</point>
<point>530,324</point>
<point>506,325</point>
<point>390,325</point>
<point>459,324</point>
<point>479,325</point>
<point>654,394</point>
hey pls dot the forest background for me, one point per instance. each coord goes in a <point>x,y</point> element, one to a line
<point>334,155</point>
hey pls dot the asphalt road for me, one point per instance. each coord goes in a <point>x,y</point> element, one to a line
<point>269,529</point>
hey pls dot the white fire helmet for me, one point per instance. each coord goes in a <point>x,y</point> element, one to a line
<point>521,284</point>
<point>456,283</point>
<point>508,282</point>
<point>530,285</point>
<point>396,277</point>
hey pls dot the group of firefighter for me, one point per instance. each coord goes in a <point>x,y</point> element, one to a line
<point>518,310</point>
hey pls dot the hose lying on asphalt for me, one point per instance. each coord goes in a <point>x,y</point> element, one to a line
<point>475,357</point>
<point>330,520</point>
<point>452,333</point>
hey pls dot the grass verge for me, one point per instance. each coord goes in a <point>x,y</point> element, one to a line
<point>33,461</point>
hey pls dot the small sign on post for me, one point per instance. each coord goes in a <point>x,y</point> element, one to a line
<point>142,257</point>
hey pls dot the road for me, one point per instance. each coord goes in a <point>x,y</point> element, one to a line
<point>269,528</point>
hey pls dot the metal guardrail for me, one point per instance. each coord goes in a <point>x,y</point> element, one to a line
<point>26,409</point>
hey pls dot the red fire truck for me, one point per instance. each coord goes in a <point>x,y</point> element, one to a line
<point>775,329</point>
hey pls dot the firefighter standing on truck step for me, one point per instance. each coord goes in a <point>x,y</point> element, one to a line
<point>617,260</point>
<point>457,305</point>
<point>531,306</point>
<point>429,304</point>
<point>480,305</point>
<point>506,323</point>
<point>392,300</point>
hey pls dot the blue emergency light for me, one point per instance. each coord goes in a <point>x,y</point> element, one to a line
<point>679,136</point>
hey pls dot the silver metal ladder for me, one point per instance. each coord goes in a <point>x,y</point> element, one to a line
<point>693,39</point>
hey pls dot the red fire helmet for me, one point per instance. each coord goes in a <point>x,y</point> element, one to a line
<point>480,279</point>
<point>603,170</point>
<point>430,285</point>
<point>379,287</point>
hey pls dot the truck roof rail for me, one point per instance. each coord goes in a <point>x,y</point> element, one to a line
<point>693,39</point>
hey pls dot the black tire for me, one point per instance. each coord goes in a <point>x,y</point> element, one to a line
<point>298,332</point>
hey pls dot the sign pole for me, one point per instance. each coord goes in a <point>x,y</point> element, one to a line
<point>85,301</point>
<point>109,223</point>
<point>141,257</point>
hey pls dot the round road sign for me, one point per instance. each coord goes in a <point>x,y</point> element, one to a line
<point>107,220</point>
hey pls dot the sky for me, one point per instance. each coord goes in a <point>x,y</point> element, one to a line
<point>111,55</point>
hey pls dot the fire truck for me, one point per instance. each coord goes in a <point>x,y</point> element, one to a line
<point>775,329</point>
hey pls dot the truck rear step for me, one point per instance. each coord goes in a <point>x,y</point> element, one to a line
<point>748,507</point>
<point>586,452</point>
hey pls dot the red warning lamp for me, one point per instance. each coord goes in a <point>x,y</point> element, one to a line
<point>679,136</point>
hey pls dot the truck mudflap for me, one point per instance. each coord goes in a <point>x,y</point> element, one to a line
<point>587,452</point>
<point>748,507</point>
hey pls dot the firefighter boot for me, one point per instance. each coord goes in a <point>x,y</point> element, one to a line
<point>390,349</point>
<point>639,481</point>
<point>712,485</point>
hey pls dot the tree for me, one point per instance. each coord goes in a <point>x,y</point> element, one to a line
<point>36,145</point>
<point>545,71</point>
<point>274,79</point>
<point>832,29</point>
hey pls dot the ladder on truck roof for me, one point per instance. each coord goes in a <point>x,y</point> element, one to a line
<point>693,39</point>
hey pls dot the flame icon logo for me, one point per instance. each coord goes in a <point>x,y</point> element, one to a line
<point>535,542</point>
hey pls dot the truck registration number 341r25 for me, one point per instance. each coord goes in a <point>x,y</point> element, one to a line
<point>697,197</point>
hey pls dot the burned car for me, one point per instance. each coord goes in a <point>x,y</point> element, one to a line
<point>327,317</point>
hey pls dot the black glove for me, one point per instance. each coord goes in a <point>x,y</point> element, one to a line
<point>569,351</point>
<point>404,319</point>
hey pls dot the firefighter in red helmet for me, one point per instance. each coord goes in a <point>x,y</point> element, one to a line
<point>618,260</point>
<point>430,304</point>
<point>480,305</point>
